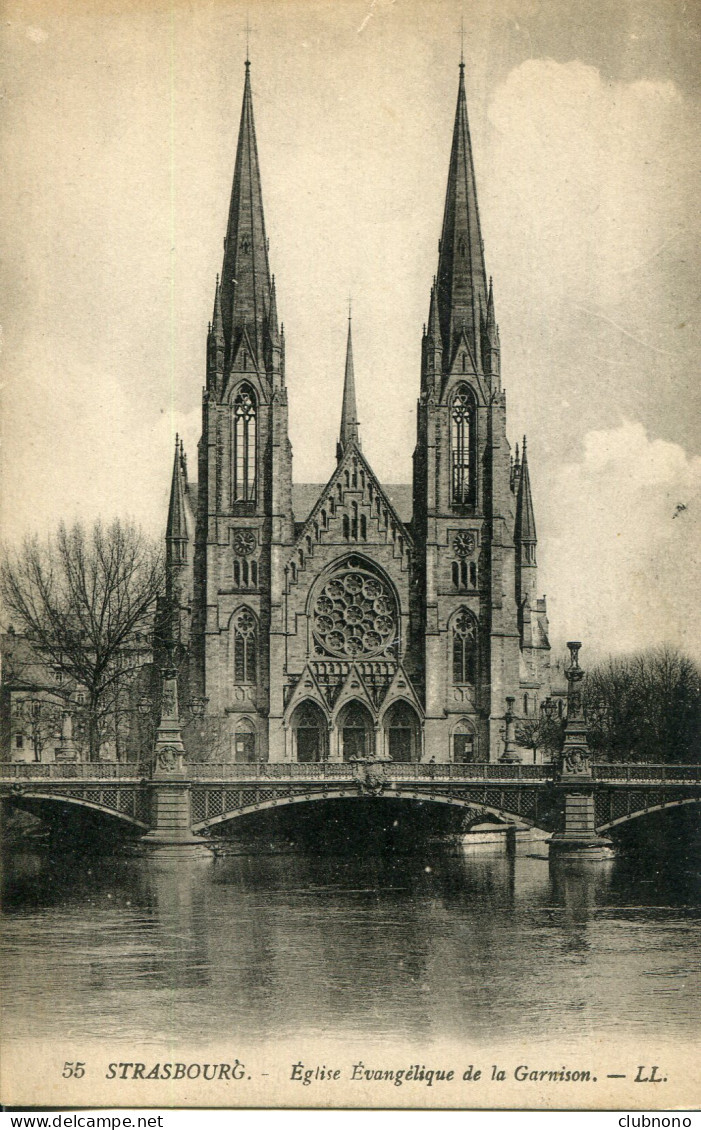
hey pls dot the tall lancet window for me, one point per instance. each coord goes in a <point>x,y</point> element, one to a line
<point>462,426</point>
<point>245,647</point>
<point>464,648</point>
<point>245,445</point>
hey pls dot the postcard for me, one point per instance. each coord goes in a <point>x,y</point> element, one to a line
<point>350,683</point>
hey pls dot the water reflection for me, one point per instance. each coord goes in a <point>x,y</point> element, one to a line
<point>423,946</point>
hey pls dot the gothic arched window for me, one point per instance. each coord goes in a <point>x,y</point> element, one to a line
<point>464,649</point>
<point>462,426</point>
<point>245,445</point>
<point>245,647</point>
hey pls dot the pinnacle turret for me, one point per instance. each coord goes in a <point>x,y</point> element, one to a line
<point>349,412</point>
<point>525,532</point>
<point>177,532</point>
<point>462,280</point>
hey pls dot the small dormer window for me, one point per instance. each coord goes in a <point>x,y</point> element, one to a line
<point>464,363</point>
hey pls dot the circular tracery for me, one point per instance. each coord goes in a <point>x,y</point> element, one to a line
<point>354,614</point>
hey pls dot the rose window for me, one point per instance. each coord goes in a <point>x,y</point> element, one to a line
<point>355,614</point>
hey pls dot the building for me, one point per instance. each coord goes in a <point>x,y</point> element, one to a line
<point>354,620</point>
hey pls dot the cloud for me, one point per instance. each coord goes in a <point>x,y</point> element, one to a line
<point>37,34</point>
<point>620,560</point>
<point>592,228</point>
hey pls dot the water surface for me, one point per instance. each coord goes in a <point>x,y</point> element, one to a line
<point>424,946</point>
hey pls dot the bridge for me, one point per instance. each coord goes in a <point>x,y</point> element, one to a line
<point>174,803</point>
<point>177,804</point>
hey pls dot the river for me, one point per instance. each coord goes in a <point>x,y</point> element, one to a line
<point>417,946</point>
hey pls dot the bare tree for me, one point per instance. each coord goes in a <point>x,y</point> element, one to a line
<point>85,601</point>
<point>39,719</point>
<point>645,707</point>
<point>539,733</point>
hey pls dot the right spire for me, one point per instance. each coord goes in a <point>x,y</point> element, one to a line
<point>462,280</point>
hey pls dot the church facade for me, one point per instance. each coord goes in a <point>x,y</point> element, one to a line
<point>354,620</point>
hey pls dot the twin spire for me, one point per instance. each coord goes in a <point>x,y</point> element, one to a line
<point>462,301</point>
<point>245,315</point>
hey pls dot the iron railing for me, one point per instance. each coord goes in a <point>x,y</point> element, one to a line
<point>71,771</point>
<point>604,772</point>
<point>631,773</point>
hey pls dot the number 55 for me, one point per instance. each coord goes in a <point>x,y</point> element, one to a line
<point>75,1070</point>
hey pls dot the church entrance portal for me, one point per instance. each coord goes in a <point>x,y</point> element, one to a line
<point>357,732</point>
<point>310,732</point>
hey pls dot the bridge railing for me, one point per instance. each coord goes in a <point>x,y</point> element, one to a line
<point>630,773</point>
<point>71,771</point>
<point>348,771</point>
<point>605,772</point>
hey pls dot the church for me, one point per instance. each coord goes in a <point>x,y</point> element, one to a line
<point>355,620</point>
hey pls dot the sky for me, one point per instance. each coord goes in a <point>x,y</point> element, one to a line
<point>117,141</point>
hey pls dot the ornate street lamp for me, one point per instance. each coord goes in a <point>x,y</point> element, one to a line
<point>197,707</point>
<point>548,709</point>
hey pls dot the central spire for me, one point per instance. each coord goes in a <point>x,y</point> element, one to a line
<point>245,282</point>
<point>349,412</point>
<point>462,280</point>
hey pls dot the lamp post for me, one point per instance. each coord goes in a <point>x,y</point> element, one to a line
<point>577,838</point>
<point>509,756</point>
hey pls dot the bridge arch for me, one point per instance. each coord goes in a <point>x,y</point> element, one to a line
<point>662,806</point>
<point>407,793</point>
<point>30,800</point>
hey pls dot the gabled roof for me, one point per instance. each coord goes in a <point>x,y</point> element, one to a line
<point>352,452</point>
<point>306,495</point>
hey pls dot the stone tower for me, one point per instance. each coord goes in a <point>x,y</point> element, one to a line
<point>464,501</point>
<point>244,511</point>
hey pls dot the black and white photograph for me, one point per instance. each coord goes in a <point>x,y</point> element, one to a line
<point>350,699</point>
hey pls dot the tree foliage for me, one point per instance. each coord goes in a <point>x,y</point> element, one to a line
<point>85,600</point>
<point>645,707</point>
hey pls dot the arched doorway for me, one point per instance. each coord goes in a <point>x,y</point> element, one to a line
<point>310,732</point>
<point>244,742</point>
<point>402,733</point>
<point>357,732</point>
<point>464,743</point>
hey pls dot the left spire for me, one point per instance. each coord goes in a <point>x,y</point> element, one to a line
<point>245,283</point>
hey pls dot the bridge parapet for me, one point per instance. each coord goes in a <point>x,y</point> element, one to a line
<point>604,772</point>
<point>71,771</point>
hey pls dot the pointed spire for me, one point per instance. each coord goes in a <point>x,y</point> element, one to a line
<point>434,329</point>
<point>462,280</point>
<point>176,530</point>
<point>217,322</point>
<point>349,412</point>
<point>245,283</point>
<point>491,319</point>
<point>525,518</point>
<point>272,318</point>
